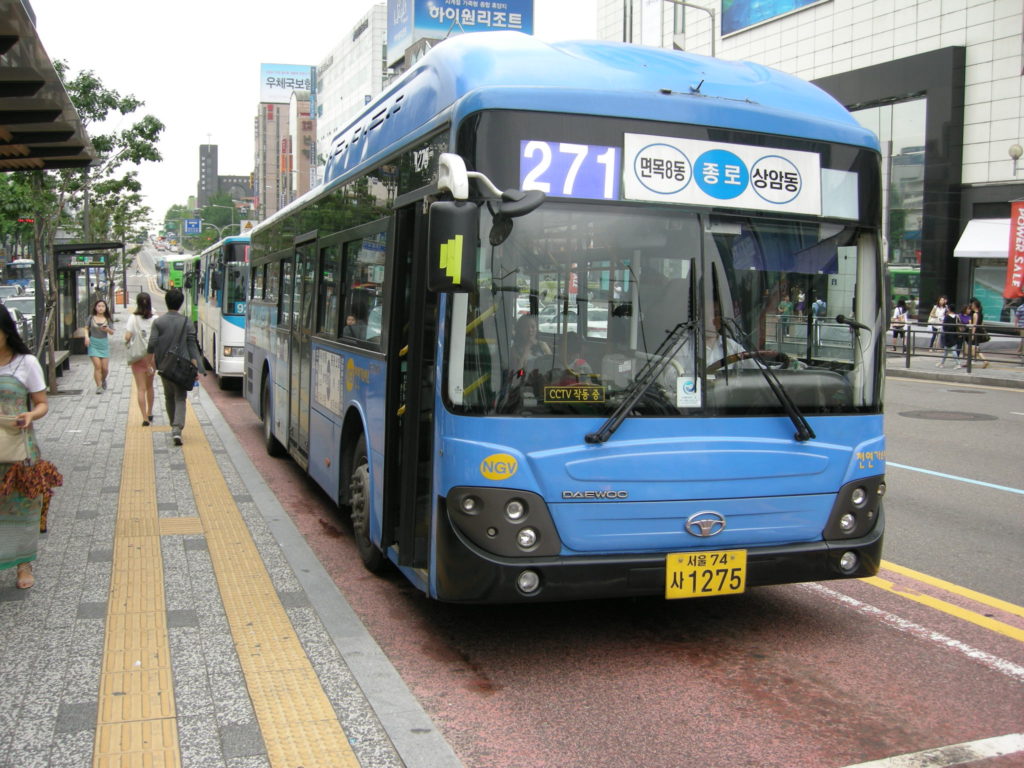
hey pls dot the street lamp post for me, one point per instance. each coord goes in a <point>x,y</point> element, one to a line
<point>709,11</point>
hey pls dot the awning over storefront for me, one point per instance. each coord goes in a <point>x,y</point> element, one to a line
<point>984,239</point>
<point>39,126</point>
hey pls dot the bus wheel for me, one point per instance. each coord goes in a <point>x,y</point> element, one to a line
<point>271,443</point>
<point>359,499</point>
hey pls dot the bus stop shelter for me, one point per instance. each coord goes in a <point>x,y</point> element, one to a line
<point>80,269</point>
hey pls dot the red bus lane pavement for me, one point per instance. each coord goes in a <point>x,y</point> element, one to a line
<point>819,675</point>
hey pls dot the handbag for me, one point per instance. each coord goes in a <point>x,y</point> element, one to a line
<point>175,367</point>
<point>136,346</point>
<point>981,335</point>
<point>13,441</point>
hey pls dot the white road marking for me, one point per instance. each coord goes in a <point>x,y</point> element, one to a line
<point>1006,488</point>
<point>995,663</point>
<point>954,754</point>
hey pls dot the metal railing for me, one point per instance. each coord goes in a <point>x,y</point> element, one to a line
<point>1005,346</point>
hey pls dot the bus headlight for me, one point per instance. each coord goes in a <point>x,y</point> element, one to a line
<point>495,520</point>
<point>234,351</point>
<point>515,510</point>
<point>526,538</point>
<point>856,508</point>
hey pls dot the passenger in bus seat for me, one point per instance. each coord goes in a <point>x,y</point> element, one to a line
<point>354,328</point>
<point>525,343</point>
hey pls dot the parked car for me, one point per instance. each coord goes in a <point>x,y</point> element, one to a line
<point>23,324</point>
<point>6,291</point>
<point>550,320</point>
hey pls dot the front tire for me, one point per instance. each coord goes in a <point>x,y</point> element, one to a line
<point>359,501</point>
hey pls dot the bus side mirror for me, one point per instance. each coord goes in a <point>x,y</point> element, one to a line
<point>453,230</point>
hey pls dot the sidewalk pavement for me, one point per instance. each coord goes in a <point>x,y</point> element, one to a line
<point>54,659</point>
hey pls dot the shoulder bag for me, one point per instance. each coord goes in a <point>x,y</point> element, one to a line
<point>176,367</point>
<point>136,344</point>
<point>13,441</point>
<point>981,335</point>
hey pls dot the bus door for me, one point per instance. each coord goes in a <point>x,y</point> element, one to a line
<point>412,320</point>
<point>303,292</point>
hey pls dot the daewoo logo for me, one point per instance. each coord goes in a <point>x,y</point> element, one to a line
<point>498,466</point>
<point>595,494</point>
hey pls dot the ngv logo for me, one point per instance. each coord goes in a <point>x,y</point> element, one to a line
<point>499,466</point>
<point>595,494</point>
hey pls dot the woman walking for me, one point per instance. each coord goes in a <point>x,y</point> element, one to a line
<point>976,333</point>
<point>24,488</point>
<point>935,318</point>
<point>101,327</point>
<point>140,323</point>
<point>900,316</point>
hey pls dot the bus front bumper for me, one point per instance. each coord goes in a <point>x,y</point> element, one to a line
<point>467,574</point>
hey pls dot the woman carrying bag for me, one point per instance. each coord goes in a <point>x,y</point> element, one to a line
<point>27,482</point>
<point>136,337</point>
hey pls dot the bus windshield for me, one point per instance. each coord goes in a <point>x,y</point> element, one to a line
<point>583,301</point>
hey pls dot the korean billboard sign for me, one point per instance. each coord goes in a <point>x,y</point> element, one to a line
<point>1014,288</point>
<point>277,81</point>
<point>411,20</point>
<point>740,14</point>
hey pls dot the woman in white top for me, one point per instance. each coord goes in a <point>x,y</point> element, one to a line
<point>143,368</point>
<point>935,318</point>
<point>22,401</point>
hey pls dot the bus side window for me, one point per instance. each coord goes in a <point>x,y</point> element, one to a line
<point>327,306</point>
<point>364,286</point>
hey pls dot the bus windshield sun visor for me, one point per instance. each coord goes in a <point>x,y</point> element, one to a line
<point>663,355</point>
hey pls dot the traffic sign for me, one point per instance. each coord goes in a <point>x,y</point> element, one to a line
<point>193,226</point>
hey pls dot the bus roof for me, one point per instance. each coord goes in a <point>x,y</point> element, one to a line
<point>510,70</point>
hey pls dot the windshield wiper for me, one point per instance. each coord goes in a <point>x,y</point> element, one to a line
<point>803,428</point>
<point>648,375</point>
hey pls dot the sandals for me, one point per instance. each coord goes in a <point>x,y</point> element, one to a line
<point>25,576</point>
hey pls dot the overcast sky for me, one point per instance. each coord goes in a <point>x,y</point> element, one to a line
<point>196,64</point>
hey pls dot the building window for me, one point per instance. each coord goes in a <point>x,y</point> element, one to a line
<point>900,128</point>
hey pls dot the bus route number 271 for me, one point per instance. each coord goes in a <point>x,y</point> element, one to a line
<point>703,574</point>
<point>561,169</point>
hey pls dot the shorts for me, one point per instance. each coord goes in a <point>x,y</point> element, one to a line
<point>899,332</point>
<point>143,366</point>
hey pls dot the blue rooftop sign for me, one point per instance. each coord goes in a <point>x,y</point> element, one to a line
<point>412,20</point>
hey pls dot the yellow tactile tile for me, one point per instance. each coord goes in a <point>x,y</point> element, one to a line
<point>138,745</point>
<point>298,724</point>
<point>135,722</point>
<point>180,525</point>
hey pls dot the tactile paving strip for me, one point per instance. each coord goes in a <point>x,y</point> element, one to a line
<point>298,724</point>
<point>135,723</point>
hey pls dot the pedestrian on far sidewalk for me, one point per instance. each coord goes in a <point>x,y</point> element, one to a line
<point>900,317</point>
<point>140,323</point>
<point>1018,313</point>
<point>935,318</point>
<point>167,329</point>
<point>101,327</point>
<point>952,339</point>
<point>976,332</point>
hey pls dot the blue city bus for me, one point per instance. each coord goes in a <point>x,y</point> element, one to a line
<point>220,286</point>
<point>528,334</point>
<point>20,272</point>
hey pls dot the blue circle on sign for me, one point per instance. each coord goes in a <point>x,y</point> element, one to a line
<point>721,174</point>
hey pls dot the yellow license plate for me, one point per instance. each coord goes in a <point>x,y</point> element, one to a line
<point>703,574</point>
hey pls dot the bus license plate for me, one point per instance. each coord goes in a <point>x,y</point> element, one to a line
<point>703,574</point>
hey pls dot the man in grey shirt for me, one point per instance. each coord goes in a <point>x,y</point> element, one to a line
<point>162,339</point>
